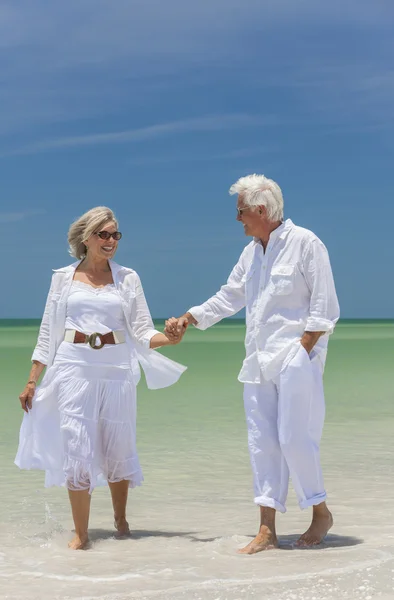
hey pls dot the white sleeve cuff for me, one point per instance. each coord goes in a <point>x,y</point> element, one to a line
<point>146,338</point>
<point>39,357</point>
<point>198,313</point>
<point>315,324</point>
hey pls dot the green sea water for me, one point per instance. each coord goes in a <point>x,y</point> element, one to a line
<point>196,505</point>
<point>358,377</point>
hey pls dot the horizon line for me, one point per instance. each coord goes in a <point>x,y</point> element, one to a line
<point>233,319</point>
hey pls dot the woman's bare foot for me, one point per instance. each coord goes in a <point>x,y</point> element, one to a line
<point>80,505</point>
<point>322,522</point>
<point>78,542</point>
<point>122,527</point>
<point>264,540</point>
<point>119,493</point>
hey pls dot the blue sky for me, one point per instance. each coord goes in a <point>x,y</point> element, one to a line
<point>155,108</point>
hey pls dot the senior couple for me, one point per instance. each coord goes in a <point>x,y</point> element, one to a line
<point>80,422</point>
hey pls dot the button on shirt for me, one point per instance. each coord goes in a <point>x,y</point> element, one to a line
<point>287,289</point>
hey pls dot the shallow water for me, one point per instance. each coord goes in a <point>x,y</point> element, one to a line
<point>195,507</point>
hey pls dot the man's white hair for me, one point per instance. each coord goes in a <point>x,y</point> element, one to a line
<point>258,190</point>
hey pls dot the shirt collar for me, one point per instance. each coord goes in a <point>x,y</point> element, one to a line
<point>115,268</point>
<point>280,232</point>
<point>68,268</point>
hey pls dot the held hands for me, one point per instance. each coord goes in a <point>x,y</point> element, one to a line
<point>175,328</point>
<point>26,397</point>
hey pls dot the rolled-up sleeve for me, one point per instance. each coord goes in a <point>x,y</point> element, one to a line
<point>41,351</point>
<point>324,306</point>
<point>142,328</point>
<point>226,302</point>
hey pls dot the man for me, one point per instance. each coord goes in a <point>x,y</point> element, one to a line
<point>284,280</point>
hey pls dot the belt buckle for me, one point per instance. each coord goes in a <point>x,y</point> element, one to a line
<point>91,339</point>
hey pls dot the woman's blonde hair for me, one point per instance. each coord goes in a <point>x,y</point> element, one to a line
<point>90,222</point>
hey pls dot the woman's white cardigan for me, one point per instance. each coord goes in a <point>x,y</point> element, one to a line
<point>35,451</point>
<point>159,371</point>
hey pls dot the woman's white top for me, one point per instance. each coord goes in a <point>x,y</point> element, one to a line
<point>94,310</point>
<point>34,452</point>
<point>159,370</point>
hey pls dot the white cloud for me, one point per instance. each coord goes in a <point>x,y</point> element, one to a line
<point>198,124</point>
<point>63,61</point>
<point>230,155</point>
<point>13,217</point>
<point>348,93</point>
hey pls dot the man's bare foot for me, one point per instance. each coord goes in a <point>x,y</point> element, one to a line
<point>78,542</point>
<point>320,526</point>
<point>122,527</point>
<point>264,540</point>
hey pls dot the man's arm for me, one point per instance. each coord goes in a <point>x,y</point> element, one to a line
<point>226,302</point>
<point>324,307</point>
<point>310,338</point>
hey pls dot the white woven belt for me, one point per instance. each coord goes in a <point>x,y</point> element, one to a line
<point>119,336</point>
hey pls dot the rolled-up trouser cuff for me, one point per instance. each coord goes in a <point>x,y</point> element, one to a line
<point>313,501</point>
<point>270,503</point>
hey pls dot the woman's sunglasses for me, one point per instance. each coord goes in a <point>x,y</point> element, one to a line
<point>106,235</point>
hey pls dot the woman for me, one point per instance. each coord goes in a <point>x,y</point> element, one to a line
<point>80,423</point>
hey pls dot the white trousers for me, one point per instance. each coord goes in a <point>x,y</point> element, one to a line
<point>285,420</point>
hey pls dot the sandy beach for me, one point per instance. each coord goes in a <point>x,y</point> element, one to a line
<point>195,507</point>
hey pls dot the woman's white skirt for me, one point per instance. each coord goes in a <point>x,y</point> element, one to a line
<point>82,427</point>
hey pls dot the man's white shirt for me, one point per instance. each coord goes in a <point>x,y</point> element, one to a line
<point>287,289</point>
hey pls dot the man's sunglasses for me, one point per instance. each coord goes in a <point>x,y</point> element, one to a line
<point>106,235</point>
<point>240,211</point>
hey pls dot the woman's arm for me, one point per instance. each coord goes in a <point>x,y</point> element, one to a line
<point>41,351</point>
<point>26,396</point>
<point>142,327</point>
<point>141,324</point>
<point>160,339</point>
<point>40,356</point>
